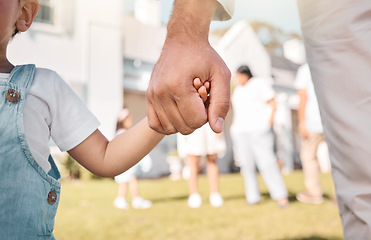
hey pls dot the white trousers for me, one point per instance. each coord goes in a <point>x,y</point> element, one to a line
<point>337,35</point>
<point>255,150</point>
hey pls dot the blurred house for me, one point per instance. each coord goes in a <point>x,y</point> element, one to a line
<point>241,46</point>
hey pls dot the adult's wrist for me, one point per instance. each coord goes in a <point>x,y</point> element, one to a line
<point>191,19</point>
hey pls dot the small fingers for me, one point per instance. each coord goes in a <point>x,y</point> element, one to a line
<point>207,86</point>
<point>197,83</point>
<point>203,93</point>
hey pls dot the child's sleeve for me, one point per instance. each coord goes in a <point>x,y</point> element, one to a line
<point>72,122</point>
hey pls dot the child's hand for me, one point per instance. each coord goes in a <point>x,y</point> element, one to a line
<point>202,89</point>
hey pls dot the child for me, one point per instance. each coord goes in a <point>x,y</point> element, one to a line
<point>129,178</point>
<point>34,105</point>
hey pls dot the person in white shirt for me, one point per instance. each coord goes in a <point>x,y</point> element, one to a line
<point>311,131</point>
<point>202,143</point>
<point>253,108</point>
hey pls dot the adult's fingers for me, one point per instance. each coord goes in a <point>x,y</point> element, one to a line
<point>164,116</point>
<point>153,120</point>
<point>157,116</point>
<point>192,110</point>
<point>207,86</point>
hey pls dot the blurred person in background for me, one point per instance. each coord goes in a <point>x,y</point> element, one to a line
<point>252,135</point>
<point>311,132</point>
<point>129,179</point>
<point>202,143</point>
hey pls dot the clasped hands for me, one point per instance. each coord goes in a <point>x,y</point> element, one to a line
<point>176,100</point>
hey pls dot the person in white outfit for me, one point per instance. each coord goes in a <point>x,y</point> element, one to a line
<point>311,132</point>
<point>254,108</point>
<point>202,143</point>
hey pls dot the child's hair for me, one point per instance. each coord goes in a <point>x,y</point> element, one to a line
<point>15,33</point>
<point>245,70</point>
<point>124,114</point>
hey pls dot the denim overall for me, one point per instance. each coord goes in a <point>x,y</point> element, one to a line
<point>28,195</point>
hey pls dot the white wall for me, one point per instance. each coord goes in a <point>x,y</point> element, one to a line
<point>142,41</point>
<point>88,55</point>
<point>240,46</point>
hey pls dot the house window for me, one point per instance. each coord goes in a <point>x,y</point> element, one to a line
<point>46,12</point>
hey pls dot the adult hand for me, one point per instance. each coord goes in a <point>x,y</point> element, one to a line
<point>303,131</point>
<point>173,103</point>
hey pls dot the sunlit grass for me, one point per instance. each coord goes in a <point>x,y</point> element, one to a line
<point>86,212</point>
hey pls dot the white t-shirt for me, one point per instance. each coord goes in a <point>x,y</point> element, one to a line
<point>53,110</point>
<point>250,108</point>
<point>312,115</point>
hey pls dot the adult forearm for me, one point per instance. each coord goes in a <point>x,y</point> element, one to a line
<point>273,105</point>
<point>191,19</point>
<point>302,105</point>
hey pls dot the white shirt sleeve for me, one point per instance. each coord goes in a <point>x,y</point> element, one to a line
<point>71,121</point>
<point>303,77</point>
<point>265,90</point>
<point>225,10</point>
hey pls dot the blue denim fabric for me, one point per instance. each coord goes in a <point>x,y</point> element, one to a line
<point>25,212</point>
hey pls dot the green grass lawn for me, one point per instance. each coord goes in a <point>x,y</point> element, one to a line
<point>86,212</point>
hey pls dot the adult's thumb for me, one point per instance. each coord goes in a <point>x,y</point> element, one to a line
<point>219,102</point>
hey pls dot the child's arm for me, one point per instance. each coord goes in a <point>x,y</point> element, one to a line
<point>110,158</point>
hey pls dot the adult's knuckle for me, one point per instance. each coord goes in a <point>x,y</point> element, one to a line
<point>186,130</point>
<point>169,129</point>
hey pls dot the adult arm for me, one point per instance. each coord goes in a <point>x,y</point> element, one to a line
<point>173,104</point>
<point>303,131</point>
<point>110,158</point>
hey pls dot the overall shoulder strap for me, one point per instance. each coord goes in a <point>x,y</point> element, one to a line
<point>22,75</point>
<point>20,80</point>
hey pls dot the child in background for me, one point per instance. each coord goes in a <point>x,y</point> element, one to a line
<point>130,178</point>
<point>36,104</point>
